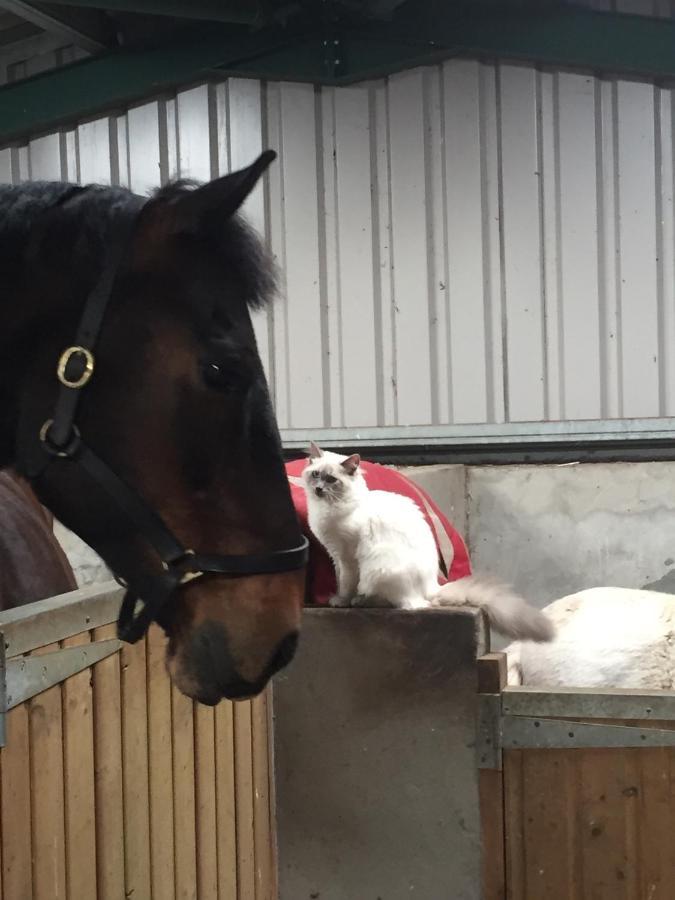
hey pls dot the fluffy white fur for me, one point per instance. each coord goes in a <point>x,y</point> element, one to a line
<point>385,554</point>
<point>382,548</point>
<point>507,612</point>
<point>605,637</point>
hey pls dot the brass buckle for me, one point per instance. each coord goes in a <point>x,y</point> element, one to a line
<point>65,358</point>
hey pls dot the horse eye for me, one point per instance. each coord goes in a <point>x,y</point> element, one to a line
<point>217,377</point>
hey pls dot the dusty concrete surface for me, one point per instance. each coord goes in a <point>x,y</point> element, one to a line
<point>88,566</point>
<point>446,485</point>
<point>376,781</point>
<point>552,530</point>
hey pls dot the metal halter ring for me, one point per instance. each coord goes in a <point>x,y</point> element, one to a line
<point>64,452</point>
<point>176,563</point>
<point>66,357</point>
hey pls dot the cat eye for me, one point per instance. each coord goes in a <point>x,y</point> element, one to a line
<point>315,473</point>
<point>330,479</point>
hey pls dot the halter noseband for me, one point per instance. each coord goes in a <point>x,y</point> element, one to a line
<point>60,442</point>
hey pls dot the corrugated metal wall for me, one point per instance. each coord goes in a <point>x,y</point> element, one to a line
<point>463,243</point>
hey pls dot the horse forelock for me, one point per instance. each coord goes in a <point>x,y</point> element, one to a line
<point>34,215</point>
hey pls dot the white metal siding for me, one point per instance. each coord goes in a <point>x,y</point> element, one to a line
<point>463,243</point>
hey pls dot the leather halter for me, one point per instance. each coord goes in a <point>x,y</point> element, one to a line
<point>60,443</point>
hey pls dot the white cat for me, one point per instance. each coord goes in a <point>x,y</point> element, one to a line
<point>385,554</point>
<point>382,548</point>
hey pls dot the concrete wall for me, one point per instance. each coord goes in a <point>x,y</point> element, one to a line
<point>551,530</point>
<point>89,568</point>
<point>374,744</point>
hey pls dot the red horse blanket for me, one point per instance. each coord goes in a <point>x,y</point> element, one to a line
<point>453,559</point>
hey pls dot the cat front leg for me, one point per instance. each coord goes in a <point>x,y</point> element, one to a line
<point>347,581</point>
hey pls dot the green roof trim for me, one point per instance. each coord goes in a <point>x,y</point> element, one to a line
<point>601,42</point>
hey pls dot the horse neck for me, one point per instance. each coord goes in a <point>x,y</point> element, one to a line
<point>34,307</point>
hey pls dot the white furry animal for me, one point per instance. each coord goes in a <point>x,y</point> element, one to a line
<point>605,637</point>
<point>384,552</point>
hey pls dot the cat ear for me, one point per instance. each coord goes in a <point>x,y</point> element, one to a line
<point>351,464</point>
<point>314,450</point>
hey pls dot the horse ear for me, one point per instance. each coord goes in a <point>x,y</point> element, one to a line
<point>314,450</point>
<point>351,464</point>
<point>223,196</point>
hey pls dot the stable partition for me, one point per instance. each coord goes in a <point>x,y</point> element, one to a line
<point>375,760</point>
<point>112,783</point>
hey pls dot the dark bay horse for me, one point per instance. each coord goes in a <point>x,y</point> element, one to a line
<point>133,397</point>
<point>32,563</point>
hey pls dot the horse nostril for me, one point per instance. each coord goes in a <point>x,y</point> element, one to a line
<point>284,654</point>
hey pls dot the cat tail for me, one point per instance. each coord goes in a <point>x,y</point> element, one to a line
<point>507,612</point>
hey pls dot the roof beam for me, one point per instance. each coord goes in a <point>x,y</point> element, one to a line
<point>90,36</point>
<point>242,12</point>
<point>112,81</point>
<point>552,33</point>
<point>601,42</point>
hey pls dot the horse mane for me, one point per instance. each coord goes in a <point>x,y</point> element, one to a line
<point>88,211</point>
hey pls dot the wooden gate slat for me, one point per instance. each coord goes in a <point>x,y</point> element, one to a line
<point>135,771</point>
<point>547,824</point>
<point>160,744</point>
<point>205,800</point>
<point>184,796</point>
<point>607,866</point>
<point>265,888</point>
<point>225,802</point>
<point>47,795</point>
<point>17,875</point>
<point>656,811</point>
<point>79,780</point>
<point>243,774</point>
<point>108,772</point>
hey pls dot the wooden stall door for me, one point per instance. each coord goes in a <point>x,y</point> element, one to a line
<point>590,824</point>
<point>577,791</point>
<point>113,785</point>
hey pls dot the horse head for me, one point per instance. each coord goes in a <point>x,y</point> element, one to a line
<point>169,433</point>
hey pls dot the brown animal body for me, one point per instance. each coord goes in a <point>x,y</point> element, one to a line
<point>32,564</point>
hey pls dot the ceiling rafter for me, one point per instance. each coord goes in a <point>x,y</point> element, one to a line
<point>89,35</point>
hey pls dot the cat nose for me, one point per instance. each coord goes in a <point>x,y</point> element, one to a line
<point>319,491</point>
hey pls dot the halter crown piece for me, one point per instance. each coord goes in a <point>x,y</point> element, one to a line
<point>60,443</point>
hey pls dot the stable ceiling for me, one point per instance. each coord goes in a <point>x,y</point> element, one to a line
<point>137,48</point>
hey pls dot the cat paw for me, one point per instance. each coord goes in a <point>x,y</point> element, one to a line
<point>339,602</point>
<point>415,603</point>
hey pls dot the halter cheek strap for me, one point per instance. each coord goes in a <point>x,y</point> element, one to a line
<point>60,443</point>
